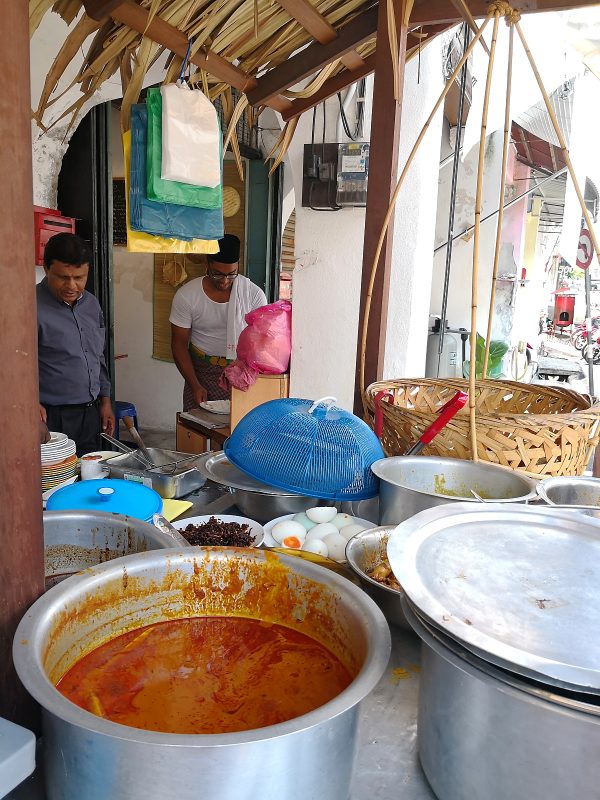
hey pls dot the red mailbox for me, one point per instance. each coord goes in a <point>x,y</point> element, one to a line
<point>47,223</point>
<point>564,310</point>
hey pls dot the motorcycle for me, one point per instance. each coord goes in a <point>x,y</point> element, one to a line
<point>579,334</point>
<point>595,349</point>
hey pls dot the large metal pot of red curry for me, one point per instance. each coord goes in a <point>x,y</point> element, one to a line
<point>148,648</point>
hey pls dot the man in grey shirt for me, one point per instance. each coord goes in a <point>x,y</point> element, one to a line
<point>74,383</point>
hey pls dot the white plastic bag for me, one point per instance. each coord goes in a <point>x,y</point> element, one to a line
<point>190,137</point>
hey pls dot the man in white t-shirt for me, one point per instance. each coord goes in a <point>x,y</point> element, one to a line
<point>207,317</point>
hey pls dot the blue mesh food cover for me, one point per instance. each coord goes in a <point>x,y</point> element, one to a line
<point>309,448</point>
<point>163,219</point>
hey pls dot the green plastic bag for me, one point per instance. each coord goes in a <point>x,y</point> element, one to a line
<point>183,194</point>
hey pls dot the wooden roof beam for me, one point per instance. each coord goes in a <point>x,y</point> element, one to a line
<point>525,143</point>
<point>315,57</point>
<point>437,12</point>
<point>135,17</point>
<point>315,23</point>
<point>329,88</point>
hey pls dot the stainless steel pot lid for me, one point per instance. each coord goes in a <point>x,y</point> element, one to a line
<point>519,586</point>
<point>216,467</point>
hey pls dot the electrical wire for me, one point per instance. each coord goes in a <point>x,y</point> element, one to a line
<point>344,119</point>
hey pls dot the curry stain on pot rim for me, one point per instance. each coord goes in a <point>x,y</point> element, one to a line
<point>255,585</point>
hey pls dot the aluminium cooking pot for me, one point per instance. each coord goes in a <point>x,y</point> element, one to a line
<point>485,733</point>
<point>410,484</point>
<point>76,540</point>
<point>307,758</point>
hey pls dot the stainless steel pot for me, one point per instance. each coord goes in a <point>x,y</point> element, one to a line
<point>409,484</point>
<point>308,758</point>
<point>265,507</point>
<point>76,540</point>
<point>486,734</point>
<point>364,552</point>
<point>254,499</point>
<point>580,493</point>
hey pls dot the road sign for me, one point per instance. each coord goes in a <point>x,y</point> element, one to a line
<point>585,249</point>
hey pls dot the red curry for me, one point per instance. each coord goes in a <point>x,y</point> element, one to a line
<point>205,675</point>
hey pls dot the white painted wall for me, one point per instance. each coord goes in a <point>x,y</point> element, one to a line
<point>459,295</point>
<point>414,232</point>
<point>327,278</point>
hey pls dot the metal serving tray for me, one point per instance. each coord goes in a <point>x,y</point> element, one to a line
<point>174,482</point>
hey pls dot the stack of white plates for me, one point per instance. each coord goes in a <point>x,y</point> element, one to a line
<point>59,461</point>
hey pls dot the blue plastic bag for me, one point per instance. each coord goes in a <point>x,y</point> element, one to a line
<point>163,219</point>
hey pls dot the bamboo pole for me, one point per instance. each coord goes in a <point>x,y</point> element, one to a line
<point>507,122</point>
<point>563,143</point>
<point>392,204</point>
<point>476,237</point>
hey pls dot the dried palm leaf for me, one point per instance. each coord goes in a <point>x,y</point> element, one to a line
<point>240,107</point>
<point>286,140</point>
<point>67,9</point>
<point>144,54</point>
<point>71,45</point>
<point>315,84</point>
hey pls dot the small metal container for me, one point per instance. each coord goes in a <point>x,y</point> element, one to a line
<point>76,540</point>
<point>410,484</point>
<point>173,482</point>
<point>577,492</point>
<point>364,552</point>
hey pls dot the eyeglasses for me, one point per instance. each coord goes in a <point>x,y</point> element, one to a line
<point>227,276</point>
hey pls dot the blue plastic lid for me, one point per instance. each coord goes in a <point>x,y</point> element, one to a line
<point>112,494</point>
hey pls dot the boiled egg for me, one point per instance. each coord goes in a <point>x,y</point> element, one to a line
<point>342,520</point>
<point>321,514</point>
<point>304,521</point>
<point>316,546</point>
<point>336,546</point>
<point>351,530</point>
<point>321,531</point>
<point>286,530</point>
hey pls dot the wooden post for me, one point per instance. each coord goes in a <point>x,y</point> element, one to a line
<point>383,168</point>
<point>22,556</point>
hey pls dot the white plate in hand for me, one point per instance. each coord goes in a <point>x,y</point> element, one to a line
<point>217,406</point>
<point>269,541</point>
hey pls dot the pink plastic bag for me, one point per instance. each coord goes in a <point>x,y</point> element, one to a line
<point>266,344</point>
<point>238,374</point>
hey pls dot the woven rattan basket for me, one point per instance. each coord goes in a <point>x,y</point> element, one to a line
<point>540,430</point>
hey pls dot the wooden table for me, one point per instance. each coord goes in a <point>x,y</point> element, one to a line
<point>193,436</point>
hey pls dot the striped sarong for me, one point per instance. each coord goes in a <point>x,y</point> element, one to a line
<point>209,375</point>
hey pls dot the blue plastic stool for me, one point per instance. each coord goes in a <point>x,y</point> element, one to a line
<point>124,409</point>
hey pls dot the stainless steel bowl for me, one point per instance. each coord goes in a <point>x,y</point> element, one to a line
<point>76,540</point>
<point>409,484</point>
<point>311,756</point>
<point>582,493</point>
<point>364,552</point>
<point>265,507</point>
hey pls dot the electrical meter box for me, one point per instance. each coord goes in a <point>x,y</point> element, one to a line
<point>352,174</point>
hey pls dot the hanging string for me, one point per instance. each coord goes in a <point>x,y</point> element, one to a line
<point>185,63</point>
<point>420,36</point>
